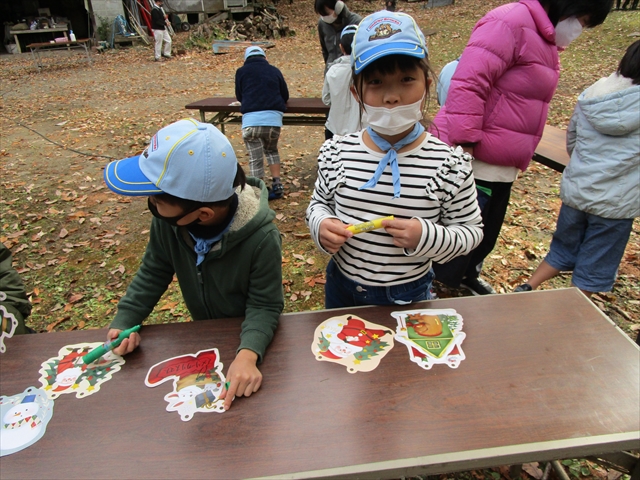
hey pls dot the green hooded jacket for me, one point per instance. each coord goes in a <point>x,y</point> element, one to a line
<point>13,296</point>
<point>241,276</point>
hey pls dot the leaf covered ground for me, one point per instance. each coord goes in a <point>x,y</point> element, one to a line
<point>77,245</point>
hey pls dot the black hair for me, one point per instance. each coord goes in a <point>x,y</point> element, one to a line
<point>630,64</point>
<point>595,10</point>
<point>192,205</point>
<point>390,64</point>
<point>321,5</point>
<point>346,41</point>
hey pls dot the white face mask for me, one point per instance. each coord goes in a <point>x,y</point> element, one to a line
<point>328,18</point>
<point>567,31</point>
<point>392,121</point>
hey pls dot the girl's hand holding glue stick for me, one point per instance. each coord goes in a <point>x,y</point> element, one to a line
<point>368,226</point>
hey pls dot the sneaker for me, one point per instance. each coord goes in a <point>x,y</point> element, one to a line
<point>525,287</point>
<point>276,191</point>
<point>477,286</point>
<point>166,56</point>
<point>158,60</point>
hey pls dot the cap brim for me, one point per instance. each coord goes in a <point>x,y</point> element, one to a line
<point>383,50</point>
<point>126,178</point>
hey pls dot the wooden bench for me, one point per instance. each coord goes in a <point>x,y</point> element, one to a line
<point>300,111</point>
<point>37,48</point>
<point>552,149</point>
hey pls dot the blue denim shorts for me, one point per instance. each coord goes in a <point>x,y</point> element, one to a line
<point>590,246</point>
<point>340,291</point>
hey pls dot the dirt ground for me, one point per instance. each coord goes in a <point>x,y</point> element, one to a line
<point>77,245</point>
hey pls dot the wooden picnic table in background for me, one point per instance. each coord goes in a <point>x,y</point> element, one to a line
<point>551,150</point>
<point>300,111</point>
<point>52,30</point>
<point>546,376</point>
<point>37,48</point>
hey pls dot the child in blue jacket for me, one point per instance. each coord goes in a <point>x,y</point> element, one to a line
<point>599,190</point>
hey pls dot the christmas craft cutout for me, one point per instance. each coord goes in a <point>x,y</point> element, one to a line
<point>197,382</point>
<point>67,373</point>
<point>9,323</point>
<point>353,342</point>
<point>24,419</point>
<point>431,336</point>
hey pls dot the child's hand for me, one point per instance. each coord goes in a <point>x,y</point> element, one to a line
<point>333,234</point>
<point>128,345</point>
<point>243,376</point>
<point>405,233</point>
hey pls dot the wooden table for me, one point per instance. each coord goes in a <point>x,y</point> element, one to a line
<point>552,149</point>
<point>37,48</point>
<point>547,376</point>
<point>15,33</point>
<point>300,111</point>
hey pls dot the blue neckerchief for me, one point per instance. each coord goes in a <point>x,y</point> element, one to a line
<point>391,157</point>
<point>203,245</point>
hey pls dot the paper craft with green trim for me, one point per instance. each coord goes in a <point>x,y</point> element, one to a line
<point>24,419</point>
<point>197,382</point>
<point>67,373</point>
<point>9,323</point>
<point>431,336</point>
<point>353,342</point>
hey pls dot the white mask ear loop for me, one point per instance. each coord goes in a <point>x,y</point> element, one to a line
<point>339,7</point>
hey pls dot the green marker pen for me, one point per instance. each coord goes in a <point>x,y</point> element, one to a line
<point>105,348</point>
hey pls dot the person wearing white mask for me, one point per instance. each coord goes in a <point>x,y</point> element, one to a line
<point>497,106</point>
<point>334,16</point>
<point>392,168</point>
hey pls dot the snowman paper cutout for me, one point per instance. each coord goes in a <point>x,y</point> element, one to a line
<point>197,382</point>
<point>353,342</point>
<point>9,323</point>
<point>24,419</point>
<point>67,373</point>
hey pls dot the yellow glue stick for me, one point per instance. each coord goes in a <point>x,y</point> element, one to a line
<point>368,226</point>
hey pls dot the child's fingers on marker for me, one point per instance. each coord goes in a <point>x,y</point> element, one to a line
<point>134,341</point>
<point>122,348</point>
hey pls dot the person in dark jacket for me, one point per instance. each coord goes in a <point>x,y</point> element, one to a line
<point>160,33</point>
<point>263,93</point>
<point>334,16</point>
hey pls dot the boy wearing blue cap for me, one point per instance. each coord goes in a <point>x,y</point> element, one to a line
<point>392,168</point>
<point>263,93</point>
<point>214,230</point>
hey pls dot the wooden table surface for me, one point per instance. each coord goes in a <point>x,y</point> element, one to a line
<point>294,105</point>
<point>79,41</point>
<point>547,376</point>
<point>552,149</point>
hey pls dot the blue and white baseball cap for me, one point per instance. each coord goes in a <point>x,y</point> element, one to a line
<point>251,51</point>
<point>187,159</point>
<point>348,30</point>
<point>386,33</point>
